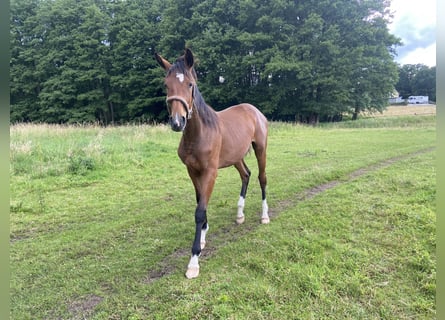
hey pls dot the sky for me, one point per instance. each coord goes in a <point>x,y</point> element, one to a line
<point>415,23</point>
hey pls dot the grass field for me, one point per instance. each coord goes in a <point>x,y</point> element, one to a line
<point>101,225</point>
<point>414,110</point>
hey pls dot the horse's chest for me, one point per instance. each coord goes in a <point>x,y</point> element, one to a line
<point>191,161</point>
<point>198,158</point>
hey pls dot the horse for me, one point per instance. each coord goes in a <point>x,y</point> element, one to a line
<point>212,140</point>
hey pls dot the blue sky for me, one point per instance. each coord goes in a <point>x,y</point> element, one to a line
<point>415,23</point>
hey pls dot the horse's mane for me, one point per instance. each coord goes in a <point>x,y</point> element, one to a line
<point>206,113</point>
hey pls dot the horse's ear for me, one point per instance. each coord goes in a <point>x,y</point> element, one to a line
<point>188,58</point>
<point>162,62</point>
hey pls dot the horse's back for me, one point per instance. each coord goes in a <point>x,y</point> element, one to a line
<point>240,125</point>
<point>243,114</point>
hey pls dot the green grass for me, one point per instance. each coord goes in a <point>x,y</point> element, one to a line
<point>101,224</point>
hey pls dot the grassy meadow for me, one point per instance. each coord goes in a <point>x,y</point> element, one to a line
<point>403,110</point>
<point>102,221</point>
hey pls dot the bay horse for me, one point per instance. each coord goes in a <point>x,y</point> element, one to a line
<point>212,140</point>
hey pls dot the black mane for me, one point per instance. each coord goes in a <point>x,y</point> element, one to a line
<point>205,112</point>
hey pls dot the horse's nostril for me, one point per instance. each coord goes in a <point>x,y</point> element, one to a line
<point>178,122</point>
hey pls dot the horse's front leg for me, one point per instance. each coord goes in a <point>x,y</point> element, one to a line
<point>198,242</point>
<point>204,186</point>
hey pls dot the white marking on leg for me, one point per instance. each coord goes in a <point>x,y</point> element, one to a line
<point>180,77</point>
<point>240,214</point>
<point>193,268</point>
<point>203,236</point>
<point>265,215</point>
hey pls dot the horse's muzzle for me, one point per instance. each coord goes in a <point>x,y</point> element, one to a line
<point>178,122</point>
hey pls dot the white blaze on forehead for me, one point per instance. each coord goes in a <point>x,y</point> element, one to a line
<point>180,76</point>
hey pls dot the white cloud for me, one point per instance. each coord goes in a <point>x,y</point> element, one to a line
<point>415,23</point>
<point>419,13</point>
<point>426,56</point>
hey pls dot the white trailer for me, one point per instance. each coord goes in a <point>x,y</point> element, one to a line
<point>418,100</point>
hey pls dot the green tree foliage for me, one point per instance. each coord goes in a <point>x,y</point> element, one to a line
<point>26,49</point>
<point>77,61</point>
<point>91,60</point>
<point>417,80</point>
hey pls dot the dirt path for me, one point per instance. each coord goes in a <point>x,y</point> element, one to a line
<point>219,238</point>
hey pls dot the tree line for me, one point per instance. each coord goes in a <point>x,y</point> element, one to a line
<point>92,60</point>
<point>417,80</point>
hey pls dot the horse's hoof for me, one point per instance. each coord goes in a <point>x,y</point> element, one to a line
<point>265,220</point>
<point>203,244</point>
<point>192,272</point>
<point>240,220</point>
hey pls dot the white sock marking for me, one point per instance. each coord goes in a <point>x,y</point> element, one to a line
<point>194,263</point>
<point>192,268</point>
<point>203,236</point>
<point>240,207</point>
<point>265,214</point>
<point>240,214</point>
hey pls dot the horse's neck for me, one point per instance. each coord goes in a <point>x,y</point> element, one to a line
<point>196,130</point>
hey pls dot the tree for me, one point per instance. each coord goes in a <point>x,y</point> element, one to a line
<point>370,55</point>
<point>424,83</point>
<point>297,60</point>
<point>59,45</point>
<point>417,80</point>
<point>77,49</point>
<point>84,61</point>
<point>91,60</point>
<point>134,88</point>
<point>26,50</point>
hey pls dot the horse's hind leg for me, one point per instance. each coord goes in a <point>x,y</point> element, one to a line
<point>260,153</point>
<point>245,177</point>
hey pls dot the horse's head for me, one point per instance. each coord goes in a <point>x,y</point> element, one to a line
<point>180,82</point>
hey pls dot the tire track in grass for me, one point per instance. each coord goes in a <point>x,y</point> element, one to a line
<point>219,238</point>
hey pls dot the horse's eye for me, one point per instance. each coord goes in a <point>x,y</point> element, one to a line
<point>190,85</point>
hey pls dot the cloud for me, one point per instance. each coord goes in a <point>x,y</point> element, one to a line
<point>413,39</point>
<point>415,23</point>
<point>426,56</point>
